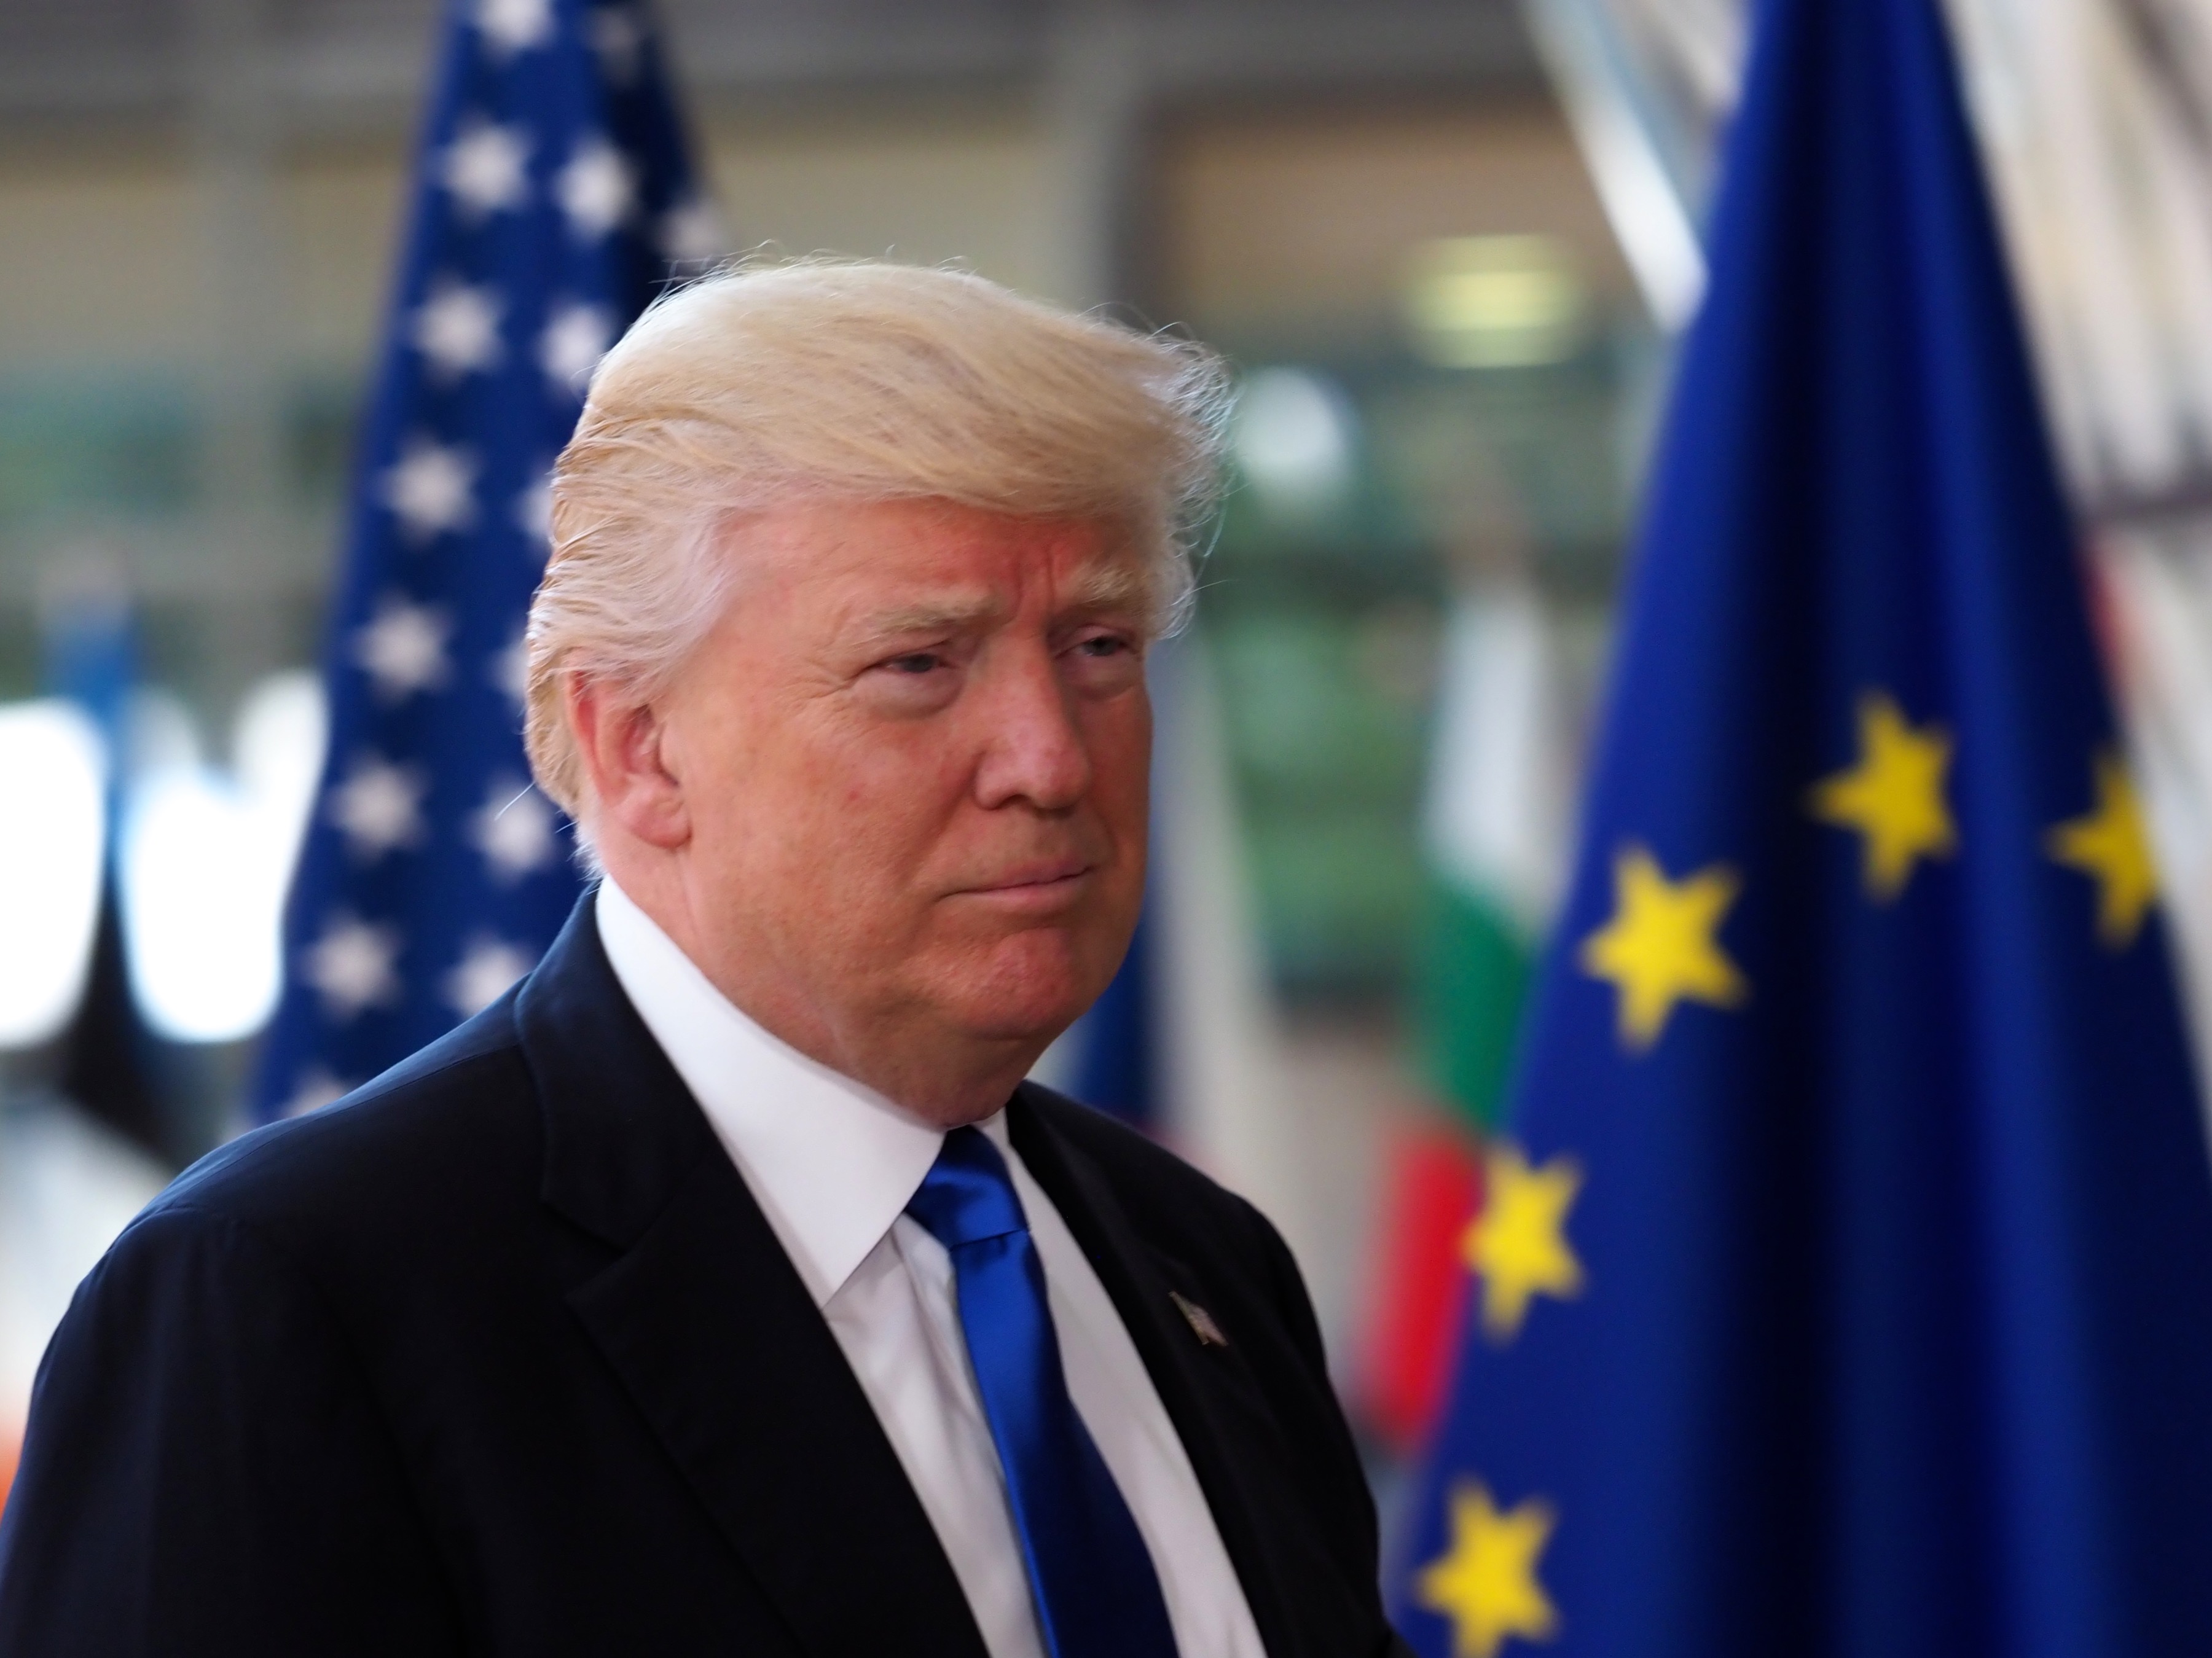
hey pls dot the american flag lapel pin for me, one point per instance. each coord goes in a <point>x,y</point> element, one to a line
<point>1200,1321</point>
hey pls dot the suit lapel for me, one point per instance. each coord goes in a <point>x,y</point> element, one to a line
<point>1219,1411</point>
<point>707,1325</point>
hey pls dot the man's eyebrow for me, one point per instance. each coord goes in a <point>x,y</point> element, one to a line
<point>1112,587</point>
<point>936,617</point>
<point>1108,588</point>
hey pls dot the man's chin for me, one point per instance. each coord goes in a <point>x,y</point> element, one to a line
<point>1022,993</point>
<point>1037,1023</point>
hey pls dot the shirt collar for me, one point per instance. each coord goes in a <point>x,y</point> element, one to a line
<point>830,1161</point>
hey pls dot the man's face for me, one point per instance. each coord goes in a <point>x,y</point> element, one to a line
<point>914,757</point>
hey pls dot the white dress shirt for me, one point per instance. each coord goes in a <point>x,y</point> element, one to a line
<point>832,1164</point>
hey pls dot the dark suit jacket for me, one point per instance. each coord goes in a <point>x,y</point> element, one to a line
<point>501,1356</point>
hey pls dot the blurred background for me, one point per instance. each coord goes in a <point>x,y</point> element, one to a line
<point>1446,245</point>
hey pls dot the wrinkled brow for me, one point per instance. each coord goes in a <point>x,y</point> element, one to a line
<point>949,615</point>
<point>1111,587</point>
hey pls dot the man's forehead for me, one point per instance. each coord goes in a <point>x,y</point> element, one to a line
<point>896,566</point>
<point>890,600</point>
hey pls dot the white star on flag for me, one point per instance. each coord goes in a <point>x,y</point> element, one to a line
<point>482,977</point>
<point>513,26</point>
<point>352,965</point>
<point>457,328</point>
<point>533,512</point>
<point>594,189</point>
<point>514,829</point>
<point>485,167</point>
<point>403,647</point>
<point>510,670</point>
<point>432,488</point>
<point>576,336</point>
<point>379,807</point>
<point>317,1089</point>
<point>692,233</point>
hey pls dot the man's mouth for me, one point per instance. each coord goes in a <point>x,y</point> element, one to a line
<point>1043,873</point>
<point>1042,883</point>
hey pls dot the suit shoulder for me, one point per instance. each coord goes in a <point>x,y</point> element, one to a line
<point>1114,1144</point>
<point>1149,1180</point>
<point>458,1112</point>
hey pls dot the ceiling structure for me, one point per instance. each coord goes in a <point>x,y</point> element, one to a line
<point>340,59</point>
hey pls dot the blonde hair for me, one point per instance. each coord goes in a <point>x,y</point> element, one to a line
<point>860,381</point>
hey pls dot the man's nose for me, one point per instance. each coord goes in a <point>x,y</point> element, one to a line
<point>1033,745</point>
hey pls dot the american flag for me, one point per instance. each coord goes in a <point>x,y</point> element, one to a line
<point>553,199</point>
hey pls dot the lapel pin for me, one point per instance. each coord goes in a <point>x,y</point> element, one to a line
<point>1201,1322</point>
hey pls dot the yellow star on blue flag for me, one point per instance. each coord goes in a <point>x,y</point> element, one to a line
<point>1518,1245</point>
<point>2110,845</point>
<point>1893,796</point>
<point>1659,947</point>
<point>1485,1582</point>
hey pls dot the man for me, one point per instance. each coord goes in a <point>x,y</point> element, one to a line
<point>724,1288</point>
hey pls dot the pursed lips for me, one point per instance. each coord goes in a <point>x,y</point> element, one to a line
<point>1042,883</point>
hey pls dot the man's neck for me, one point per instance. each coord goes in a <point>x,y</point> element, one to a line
<point>942,1078</point>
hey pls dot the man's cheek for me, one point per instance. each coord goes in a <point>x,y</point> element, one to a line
<point>868,772</point>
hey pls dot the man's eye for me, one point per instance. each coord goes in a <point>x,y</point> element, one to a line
<point>1104,644</point>
<point>915,662</point>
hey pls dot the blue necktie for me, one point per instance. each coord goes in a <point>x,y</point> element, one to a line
<point>1096,1594</point>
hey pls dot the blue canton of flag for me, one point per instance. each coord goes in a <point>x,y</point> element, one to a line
<point>553,200</point>
<point>1847,1286</point>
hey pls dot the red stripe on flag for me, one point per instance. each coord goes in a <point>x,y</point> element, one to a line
<point>1434,1180</point>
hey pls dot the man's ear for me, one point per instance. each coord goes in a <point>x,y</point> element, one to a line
<point>618,739</point>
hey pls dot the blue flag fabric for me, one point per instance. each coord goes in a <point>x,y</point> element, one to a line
<point>1118,1059</point>
<point>553,200</point>
<point>1120,1064</point>
<point>1847,1286</point>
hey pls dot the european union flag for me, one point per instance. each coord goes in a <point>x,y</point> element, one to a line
<point>1846,1288</point>
<point>553,199</point>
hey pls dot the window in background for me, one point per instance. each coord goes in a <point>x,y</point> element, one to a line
<point>52,844</point>
<point>1445,373</point>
